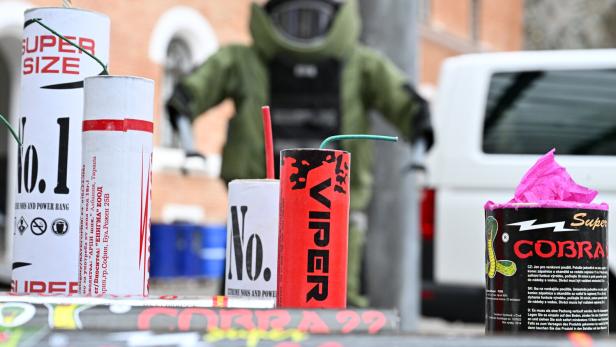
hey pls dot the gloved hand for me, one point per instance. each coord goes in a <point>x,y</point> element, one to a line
<point>421,124</point>
<point>177,106</point>
<point>422,136</point>
<point>178,111</point>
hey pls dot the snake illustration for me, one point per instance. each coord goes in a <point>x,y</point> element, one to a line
<point>504,267</point>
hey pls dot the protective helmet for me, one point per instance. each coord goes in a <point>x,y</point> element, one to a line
<point>304,21</point>
<point>305,30</point>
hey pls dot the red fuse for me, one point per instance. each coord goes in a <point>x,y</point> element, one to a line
<point>314,221</point>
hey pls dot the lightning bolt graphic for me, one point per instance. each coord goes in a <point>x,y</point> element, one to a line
<point>530,225</point>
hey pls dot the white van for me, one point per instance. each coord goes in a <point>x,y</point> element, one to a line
<point>494,115</point>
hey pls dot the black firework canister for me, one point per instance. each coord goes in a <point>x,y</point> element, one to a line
<point>546,270</point>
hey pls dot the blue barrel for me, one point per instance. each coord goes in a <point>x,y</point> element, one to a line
<point>163,248</point>
<point>189,250</point>
<point>213,250</point>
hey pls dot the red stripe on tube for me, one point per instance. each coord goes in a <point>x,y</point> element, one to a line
<point>118,125</point>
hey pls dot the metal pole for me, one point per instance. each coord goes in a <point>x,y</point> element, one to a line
<point>390,27</point>
<point>409,302</point>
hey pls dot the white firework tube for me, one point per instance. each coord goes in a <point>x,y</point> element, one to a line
<point>47,201</point>
<point>117,161</point>
<point>252,239</point>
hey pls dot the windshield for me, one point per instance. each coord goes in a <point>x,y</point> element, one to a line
<point>532,112</point>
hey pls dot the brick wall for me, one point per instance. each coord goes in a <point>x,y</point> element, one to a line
<point>447,31</point>
<point>572,24</point>
<point>132,23</point>
<point>467,26</point>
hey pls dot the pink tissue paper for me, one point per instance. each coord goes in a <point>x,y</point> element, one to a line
<point>548,184</point>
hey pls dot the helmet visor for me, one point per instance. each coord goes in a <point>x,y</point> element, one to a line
<point>303,21</point>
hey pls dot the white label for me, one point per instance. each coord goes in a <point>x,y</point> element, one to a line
<point>252,239</point>
<point>114,252</point>
<point>47,202</point>
<point>117,179</point>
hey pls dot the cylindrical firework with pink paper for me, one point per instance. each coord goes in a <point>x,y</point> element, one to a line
<point>546,256</point>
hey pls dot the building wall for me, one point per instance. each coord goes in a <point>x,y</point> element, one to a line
<point>448,28</point>
<point>132,24</point>
<point>573,24</point>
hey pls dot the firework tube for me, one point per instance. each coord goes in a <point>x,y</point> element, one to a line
<point>314,221</point>
<point>269,142</point>
<point>252,229</point>
<point>546,256</point>
<point>47,202</point>
<point>117,176</point>
<point>252,239</point>
<point>314,225</point>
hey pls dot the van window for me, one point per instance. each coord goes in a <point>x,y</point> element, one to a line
<point>532,112</point>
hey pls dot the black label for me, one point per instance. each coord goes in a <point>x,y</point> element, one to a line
<point>546,270</point>
<point>247,251</point>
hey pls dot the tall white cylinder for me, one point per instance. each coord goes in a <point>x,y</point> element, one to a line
<point>47,201</point>
<point>117,174</point>
<point>252,239</point>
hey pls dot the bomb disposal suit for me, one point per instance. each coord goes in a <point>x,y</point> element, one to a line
<point>306,62</point>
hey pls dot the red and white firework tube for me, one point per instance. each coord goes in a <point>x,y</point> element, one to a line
<point>314,222</point>
<point>117,174</point>
<point>46,209</point>
<point>252,229</point>
<point>252,239</point>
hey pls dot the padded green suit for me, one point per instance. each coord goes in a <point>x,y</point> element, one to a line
<point>368,81</point>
